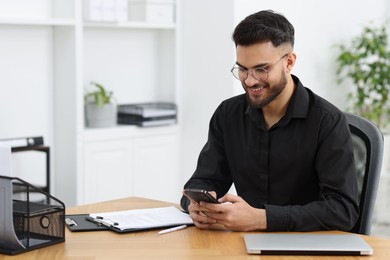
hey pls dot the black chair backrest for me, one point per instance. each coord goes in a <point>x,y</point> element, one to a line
<point>368,150</point>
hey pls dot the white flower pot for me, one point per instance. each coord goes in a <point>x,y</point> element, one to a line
<point>105,116</point>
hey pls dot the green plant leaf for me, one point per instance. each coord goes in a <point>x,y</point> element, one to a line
<point>366,62</point>
<point>99,97</point>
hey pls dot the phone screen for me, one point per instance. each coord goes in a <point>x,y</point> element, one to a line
<point>200,195</point>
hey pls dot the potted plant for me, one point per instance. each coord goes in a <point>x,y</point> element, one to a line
<point>366,61</point>
<point>100,110</point>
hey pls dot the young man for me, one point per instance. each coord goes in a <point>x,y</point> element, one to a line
<point>287,151</point>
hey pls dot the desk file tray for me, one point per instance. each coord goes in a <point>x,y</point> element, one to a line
<point>26,225</point>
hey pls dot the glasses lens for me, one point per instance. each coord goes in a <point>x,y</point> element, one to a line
<point>260,74</point>
<point>239,73</point>
<point>242,74</point>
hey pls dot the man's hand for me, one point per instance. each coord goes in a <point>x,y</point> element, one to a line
<point>201,220</point>
<point>235,214</point>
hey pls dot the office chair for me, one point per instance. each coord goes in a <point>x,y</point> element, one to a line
<point>368,150</point>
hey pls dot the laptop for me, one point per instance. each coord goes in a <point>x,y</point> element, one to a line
<point>306,244</point>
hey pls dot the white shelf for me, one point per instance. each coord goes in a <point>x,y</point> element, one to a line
<point>38,22</point>
<point>130,25</point>
<point>126,131</point>
<point>59,53</point>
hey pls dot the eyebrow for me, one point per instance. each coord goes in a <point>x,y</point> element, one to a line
<point>256,66</point>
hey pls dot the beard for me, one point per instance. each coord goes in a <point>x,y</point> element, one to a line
<point>273,90</point>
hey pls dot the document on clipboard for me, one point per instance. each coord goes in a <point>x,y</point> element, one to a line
<point>141,219</point>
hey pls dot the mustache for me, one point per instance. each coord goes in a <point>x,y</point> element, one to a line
<point>259,85</point>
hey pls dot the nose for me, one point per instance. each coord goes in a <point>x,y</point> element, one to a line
<point>250,80</point>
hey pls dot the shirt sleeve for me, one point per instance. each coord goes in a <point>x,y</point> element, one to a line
<point>212,171</point>
<point>337,207</point>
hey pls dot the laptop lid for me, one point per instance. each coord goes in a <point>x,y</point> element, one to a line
<point>306,244</point>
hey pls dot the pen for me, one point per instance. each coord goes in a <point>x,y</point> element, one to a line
<point>172,229</point>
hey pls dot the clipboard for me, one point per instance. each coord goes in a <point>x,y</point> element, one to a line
<point>136,219</point>
<point>79,223</point>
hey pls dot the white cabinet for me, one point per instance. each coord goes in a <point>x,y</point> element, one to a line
<point>156,174</point>
<point>49,55</point>
<point>129,161</point>
<point>107,171</point>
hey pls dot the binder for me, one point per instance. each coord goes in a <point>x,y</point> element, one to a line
<point>22,141</point>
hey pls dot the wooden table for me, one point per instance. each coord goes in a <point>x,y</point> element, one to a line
<point>189,243</point>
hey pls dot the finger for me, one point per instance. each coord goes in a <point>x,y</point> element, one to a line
<point>230,198</point>
<point>202,218</point>
<point>213,193</point>
<point>202,225</point>
<point>215,216</point>
<point>210,207</point>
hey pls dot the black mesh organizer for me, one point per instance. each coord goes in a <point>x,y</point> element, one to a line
<point>26,225</point>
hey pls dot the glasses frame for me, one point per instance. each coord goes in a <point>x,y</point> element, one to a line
<point>251,70</point>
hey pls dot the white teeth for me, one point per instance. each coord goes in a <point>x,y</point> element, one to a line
<point>257,89</point>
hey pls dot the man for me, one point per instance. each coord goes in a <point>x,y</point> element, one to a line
<point>287,151</point>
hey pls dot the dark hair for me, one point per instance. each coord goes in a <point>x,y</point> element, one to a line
<point>264,26</point>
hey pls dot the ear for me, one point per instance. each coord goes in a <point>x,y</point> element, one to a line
<point>291,58</point>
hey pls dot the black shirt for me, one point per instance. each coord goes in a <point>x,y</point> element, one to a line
<point>301,170</point>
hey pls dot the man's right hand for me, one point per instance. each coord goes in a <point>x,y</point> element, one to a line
<point>200,219</point>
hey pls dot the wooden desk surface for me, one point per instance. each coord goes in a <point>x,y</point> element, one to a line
<point>189,243</point>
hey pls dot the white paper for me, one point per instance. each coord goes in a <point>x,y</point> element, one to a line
<point>143,218</point>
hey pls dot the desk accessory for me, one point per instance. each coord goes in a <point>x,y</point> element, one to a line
<point>141,219</point>
<point>22,141</point>
<point>28,225</point>
<point>169,230</point>
<point>147,114</point>
<point>79,223</point>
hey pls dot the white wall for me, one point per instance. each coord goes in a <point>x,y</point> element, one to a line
<point>205,59</point>
<point>206,54</point>
<point>319,26</point>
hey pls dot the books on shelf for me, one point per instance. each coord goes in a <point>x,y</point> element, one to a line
<point>147,114</point>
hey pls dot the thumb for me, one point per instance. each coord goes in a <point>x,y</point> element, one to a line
<point>229,198</point>
<point>213,193</point>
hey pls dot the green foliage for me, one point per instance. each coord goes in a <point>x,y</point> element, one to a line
<point>100,97</point>
<point>366,61</point>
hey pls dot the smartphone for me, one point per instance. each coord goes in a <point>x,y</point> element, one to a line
<point>200,195</point>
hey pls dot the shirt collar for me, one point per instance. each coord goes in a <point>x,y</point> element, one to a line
<point>299,103</point>
<point>297,108</point>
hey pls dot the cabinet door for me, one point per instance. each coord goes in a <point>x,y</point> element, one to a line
<point>107,171</point>
<point>156,168</point>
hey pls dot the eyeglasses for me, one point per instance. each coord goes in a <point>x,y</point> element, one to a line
<point>261,74</point>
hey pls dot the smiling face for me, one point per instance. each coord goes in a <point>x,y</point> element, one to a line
<point>275,61</point>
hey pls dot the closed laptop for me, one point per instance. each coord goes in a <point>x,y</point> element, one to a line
<point>306,244</point>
